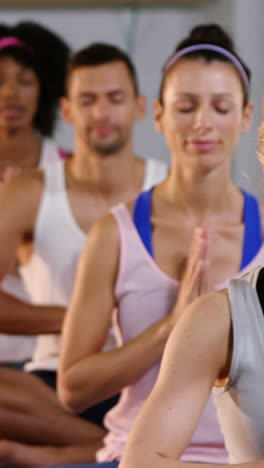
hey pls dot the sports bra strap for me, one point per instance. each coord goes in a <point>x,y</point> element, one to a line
<point>142,219</point>
<point>251,218</point>
<point>253,229</point>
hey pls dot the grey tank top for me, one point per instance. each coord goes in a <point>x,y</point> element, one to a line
<point>240,404</point>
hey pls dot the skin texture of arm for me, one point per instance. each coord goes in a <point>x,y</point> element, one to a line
<point>196,356</point>
<point>87,374</point>
<point>19,201</point>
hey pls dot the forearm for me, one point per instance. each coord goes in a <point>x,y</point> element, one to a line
<point>103,374</point>
<point>159,460</point>
<point>18,317</point>
<point>156,460</point>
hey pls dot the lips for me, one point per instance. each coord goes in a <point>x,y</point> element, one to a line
<point>202,146</point>
<point>11,111</point>
<point>103,131</point>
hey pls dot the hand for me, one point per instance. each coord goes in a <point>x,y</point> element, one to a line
<point>195,279</point>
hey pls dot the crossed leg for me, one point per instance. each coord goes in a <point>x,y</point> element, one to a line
<point>35,430</point>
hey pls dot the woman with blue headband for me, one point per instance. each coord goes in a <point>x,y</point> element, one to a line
<point>217,344</point>
<point>151,257</point>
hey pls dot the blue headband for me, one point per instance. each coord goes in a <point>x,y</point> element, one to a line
<point>214,48</point>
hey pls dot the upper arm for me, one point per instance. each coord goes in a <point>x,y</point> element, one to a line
<point>88,317</point>
<point>195,355</point>
<point>262,218</point>
<point>19,199</point>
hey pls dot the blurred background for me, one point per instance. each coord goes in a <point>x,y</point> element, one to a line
<point>149,34</point>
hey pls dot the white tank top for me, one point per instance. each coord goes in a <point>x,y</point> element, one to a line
<point>58,242</point>
<point>20,347</point>
<point>240,404</point>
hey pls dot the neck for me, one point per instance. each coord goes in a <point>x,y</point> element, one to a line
<point>20,147</point>
<point>109,173</point>
<point>204,194</point>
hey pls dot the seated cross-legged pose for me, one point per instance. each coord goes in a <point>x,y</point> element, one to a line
<point>33,63</point>
<point>218,343</point>
<point>135,258</point>
<point>46,216</point>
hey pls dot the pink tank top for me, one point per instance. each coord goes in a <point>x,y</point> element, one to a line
<point>145,295</point>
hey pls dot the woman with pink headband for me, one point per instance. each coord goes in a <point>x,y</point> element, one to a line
<point>33,63</point>
<point>149,258</point>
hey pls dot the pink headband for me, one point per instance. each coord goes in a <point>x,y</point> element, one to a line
<point>214,48</point>
<point>12,41</point>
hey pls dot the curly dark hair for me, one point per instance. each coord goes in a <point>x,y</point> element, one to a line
<point>100,53</point>
<point>209,34</point>
<point>49,58</point>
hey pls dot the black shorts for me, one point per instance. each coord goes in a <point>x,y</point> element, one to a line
<point>95,413</point>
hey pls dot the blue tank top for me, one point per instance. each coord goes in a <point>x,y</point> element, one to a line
<point>251,219</point>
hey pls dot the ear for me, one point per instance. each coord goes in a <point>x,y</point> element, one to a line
<point>141,107</point>
<point>247,117</point>
<point>158,112</point>
<point>65,109</point>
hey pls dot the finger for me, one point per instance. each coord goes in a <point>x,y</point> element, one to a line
<point>200,283</point>
<point>196,283</point>
<point>205,278</point>
<point>206,285</point>
<point>198,250</point>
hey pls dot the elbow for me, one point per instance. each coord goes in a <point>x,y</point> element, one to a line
<point>73,397</point>
<point>67,399</point>
<point>68,396</point>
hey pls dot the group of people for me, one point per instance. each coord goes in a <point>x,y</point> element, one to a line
<point>111,263</point>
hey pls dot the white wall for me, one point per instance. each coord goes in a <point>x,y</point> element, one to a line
<point>150,35</point>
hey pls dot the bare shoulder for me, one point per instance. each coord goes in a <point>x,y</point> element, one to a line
<point>20,196</point>
<point>207,322</point>
<point>105,229</point>
<point>212,310</point>
<point>103,240</point>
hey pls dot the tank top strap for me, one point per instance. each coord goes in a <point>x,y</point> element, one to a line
<point>253,229</point>
<point>142,219</point>
<point>63,154</point>
<point>54,177</point>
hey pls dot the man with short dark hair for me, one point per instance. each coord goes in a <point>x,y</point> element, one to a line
<point>44,220</point>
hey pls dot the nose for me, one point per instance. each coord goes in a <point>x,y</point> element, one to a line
<point>101,109</point>
<point>8,89</point>
<point>203,119</point>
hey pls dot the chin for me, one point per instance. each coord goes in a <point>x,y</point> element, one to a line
<point>11,125</point>
<point>206,161</point>
<point>109,149</point>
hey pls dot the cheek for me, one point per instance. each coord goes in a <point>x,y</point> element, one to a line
<point>81,115</point>
<point>175,126</point>
<point>31,96</point>
<point>232,127</point>
<point>230,133</point>
<point>125,112</point>
<point>174,133</point>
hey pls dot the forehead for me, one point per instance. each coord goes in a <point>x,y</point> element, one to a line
<point>10,64</point>
<point>202,78</point>
<point>100,78</point>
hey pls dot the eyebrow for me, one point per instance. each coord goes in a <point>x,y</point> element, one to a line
<point>190,95</point>
<point>112,92</point>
